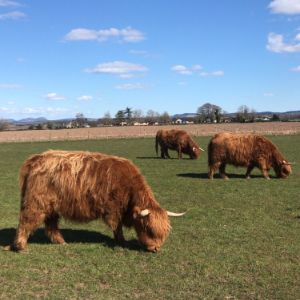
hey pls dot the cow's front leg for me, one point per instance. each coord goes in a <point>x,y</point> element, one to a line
<point>118,235</point>
<point>264,169</point>
<point>179,152</point>
<point>266,173</point>
<point>249,170</point>
<point>222,171</point>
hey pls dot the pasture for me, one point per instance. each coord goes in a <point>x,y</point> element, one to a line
<point>240,239</point>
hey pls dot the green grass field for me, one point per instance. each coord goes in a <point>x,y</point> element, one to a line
<point>240,239</point>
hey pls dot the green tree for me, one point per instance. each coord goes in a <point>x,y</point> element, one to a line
<point>275,117</point>
<point>120,117</point>
<point>128,113</point>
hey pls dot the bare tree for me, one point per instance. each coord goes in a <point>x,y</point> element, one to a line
<point>242,115</point>
<point>107,120</point>
<point>137,115</point>
<point>209,113</point>
<point>3,125</point>
<point>165,118</point>
<point>152,116</point>
<point>80,120</point>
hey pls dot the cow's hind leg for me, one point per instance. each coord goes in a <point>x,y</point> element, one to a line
<point>29,222</point>
<point>212,169</point>
<point>52,231</point>
<point>165,152</point>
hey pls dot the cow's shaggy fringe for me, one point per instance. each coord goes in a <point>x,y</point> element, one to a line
<point>84,186</point>
<point>245,150</point>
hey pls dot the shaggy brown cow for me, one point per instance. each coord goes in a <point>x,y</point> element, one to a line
<point>178,140</point>
<point>84,186</point>
<point>245,150</point>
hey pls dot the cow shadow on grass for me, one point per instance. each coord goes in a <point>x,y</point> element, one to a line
<point>217,176</point>
<point>163,159</point>
<point>148,157</point>
<point>71,236</point>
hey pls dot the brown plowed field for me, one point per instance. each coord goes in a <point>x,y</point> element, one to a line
<point>270,128</point>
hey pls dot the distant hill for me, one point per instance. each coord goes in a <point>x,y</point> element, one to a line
<point>185,116</point>
<point>30,121</point>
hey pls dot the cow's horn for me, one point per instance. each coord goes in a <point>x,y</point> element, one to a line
<point>201,149</point>
<point>172,214</point>
<point>145,212</point>
<point>284,162</point>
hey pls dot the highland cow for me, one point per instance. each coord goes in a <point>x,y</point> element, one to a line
<point>245,150</point>
<point>178,140</point>
<point>85,186</point>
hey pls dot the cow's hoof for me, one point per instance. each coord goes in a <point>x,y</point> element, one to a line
<point>15,249</point>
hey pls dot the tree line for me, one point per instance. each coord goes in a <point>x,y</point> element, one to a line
<point>206,113</point>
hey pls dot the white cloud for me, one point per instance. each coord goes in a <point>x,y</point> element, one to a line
<point>183,70</point>
<point>126,35</point>
<point>9,3</point>
<point>131,86</point>
<point>195,69</point>
<point>182,83</point>
<point>11,86</point>
<point>296,69</point>
<point>289,7</point>
<point>85,98</point>
<point>268,94</point>
<point>212,73</point>
<point>138,52</point>
<point>55,110</point>
<point>14,15</point>
<point>42,110</point>
<point>276,44</point>
<point>54,96</point>
<point>122,69</point>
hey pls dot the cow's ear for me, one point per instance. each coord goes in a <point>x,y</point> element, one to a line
<point>136,212</point>
<point>194,149</point>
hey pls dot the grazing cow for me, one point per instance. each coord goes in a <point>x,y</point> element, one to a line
<point>84,186</point>
<point>245,150</point>
<point>178,140</point>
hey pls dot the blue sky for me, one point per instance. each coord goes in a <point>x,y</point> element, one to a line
<point>59,58</point>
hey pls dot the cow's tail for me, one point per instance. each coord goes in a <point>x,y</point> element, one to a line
<point>156,145</point>
<point>23,176</point>
<point>210,153</point>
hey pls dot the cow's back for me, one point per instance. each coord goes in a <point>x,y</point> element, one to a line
<point>81,186</point>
